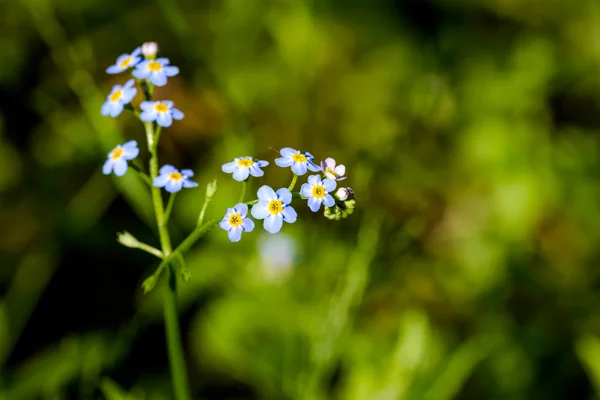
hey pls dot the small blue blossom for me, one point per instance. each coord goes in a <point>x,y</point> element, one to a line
<point>125,61</point>
<point>162,112</point>
<point>118,157</point>
<point>243,166</point>
<point>236,221</point>
<point>118,97</point>
<point>173,180</point>
<point>299,161</point>
<point>274,208</point>
<point>156,71</point>
<point>317,192</point>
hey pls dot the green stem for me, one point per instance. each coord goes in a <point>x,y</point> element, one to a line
<point>149,249</point>
<point>169,207</point>
<point>294,179</point>
<point>141,173</point>
<point>176,361</point>
<point>243,194</point>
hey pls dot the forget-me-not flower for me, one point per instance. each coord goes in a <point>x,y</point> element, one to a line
<point>299,161</point>
<point>118,157</point>
<point>317,192</point>
<point>236,221</point>
<point>162,112</point>
<point>274,208</point>
<point>331,171</point>
<point>243,166</point>
<point>156,71</point>
<point>125,61</point>
<point>173,180</point>
<point>118,97</point>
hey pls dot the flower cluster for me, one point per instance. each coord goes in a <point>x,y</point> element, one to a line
<point>274,207</point>
<point>148,70</point>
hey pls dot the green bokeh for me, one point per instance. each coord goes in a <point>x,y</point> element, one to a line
<point>471,137</point>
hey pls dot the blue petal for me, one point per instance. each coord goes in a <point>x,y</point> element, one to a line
<point>260,211</point>
<point>299,168</point>
<point>289,214</point>
<point>116,109</point>
<point>224,224</point>
<point>313,167</point>
<point>273,223</point>
<point>247,225</point>
<point>328,201</point>
<point>306,190</point>
<point>136,52</point>
<point>120,167</point>
<point>265,193</point>
<point>171,71</point>
<point>164,119</point>
<point>284,195</point>
<point>240,174</point>
<point>128,95</point>
<point>129,153</point>
<point>173,186</point>
<point>167,169</point>
<point>139,72</point>
<point>130,144</point>
<point>189,184</point>
<point>255,171</point>
<point>168,103</point>
<point>163,61</point>
<point>188,173</point>
<point>107,167</point>
<point>284,162</point>
<point>288,152</point>
<point>261,163</point>
<point>129,84</point>
<point>148,116</point>
<point>176,114</point>
<point>228,167</point>
<point>329,185</point>
<point>314,180</point>
<point>158,78</point>
<point>147,105</point>
<point>161,180</point>
<point>235,234</point>
<point>114,69</point>
<point>314,204</point>
<point>105,108</point>
<point>241,209</point>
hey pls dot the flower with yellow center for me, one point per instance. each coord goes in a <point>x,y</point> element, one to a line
<point>117,158</point>
<point>332,171</point>
<point>174,180</point>
<point>274,208</point>
<point>235,221</point>
<point>118,98</point>
<point>317,192</point>
<point>243,167</point>
<point>155,71</point>
<point>163,112</point>
<point>300,162</point>
<point>125,61</point>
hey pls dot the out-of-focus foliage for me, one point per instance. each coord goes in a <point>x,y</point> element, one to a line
<point>471,136</point>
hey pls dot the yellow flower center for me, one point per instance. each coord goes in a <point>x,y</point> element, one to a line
<point>116,95</point>
<point>161,108</point>
<point>235,220</point>
<point>125,62</point>
<point>298,157</point>
<point>318,191</point>
<point>332,172</point>
<point>154,66</point>
<point>175,176</point>
<point>275,206</point>
<point>116,153</point>
<point>245,162</point>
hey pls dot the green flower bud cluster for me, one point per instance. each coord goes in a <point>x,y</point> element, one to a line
<point>344,204</point>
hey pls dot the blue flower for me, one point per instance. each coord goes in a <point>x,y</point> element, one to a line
<point>274,208</point>
<point>156,71</point>
<point>244,166</point>
<point>162,112</point>
<point>125,61</point>
<point>317,192</point>
<point>118,97</point>
<point>299,161</point>
<point>236,221</point>
<point>118,157</point>
<point>173,180</point>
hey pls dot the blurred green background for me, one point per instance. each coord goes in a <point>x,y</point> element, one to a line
<point>471,134</point>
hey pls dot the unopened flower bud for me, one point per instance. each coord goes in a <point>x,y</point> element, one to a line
<point>211,189</point>
<point>149,49</point>
<point>344,194</point>
<point>127,239</point>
